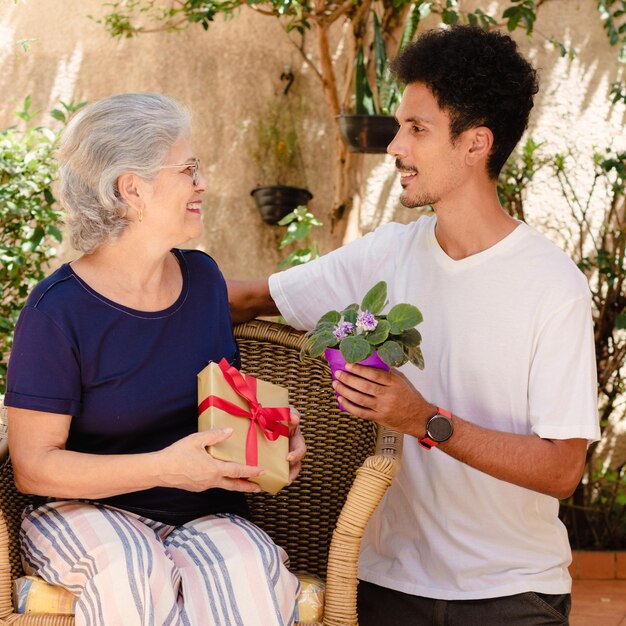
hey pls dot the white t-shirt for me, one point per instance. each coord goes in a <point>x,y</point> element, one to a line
<point>508,345</point>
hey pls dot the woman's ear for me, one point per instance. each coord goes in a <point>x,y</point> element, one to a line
<point>481,142</point>
<point>129,189</point>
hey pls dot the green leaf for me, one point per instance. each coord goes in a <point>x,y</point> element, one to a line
<point>449,16</point>
<point>375,299</point>
<point>391,352</point>
<point>328,326</point>
<point>411,24</point>
<point>355,349</point>
<point>416,357</point>
<point>349,313</point>
<point>290,217</point>
<point>380,56</point>
<point>403,317</point>
<point>410,338</point>
<point>364,99</point>
<point>58,115</point>
<point>297,257</point>
<point>319,342</point>
<point>331,316</point>
<point>379,334</point>
<point>296,231</point>
<point>37,236</point>
<point>620,321</point>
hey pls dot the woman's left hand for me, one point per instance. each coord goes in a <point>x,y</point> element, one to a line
<point>297,446</point>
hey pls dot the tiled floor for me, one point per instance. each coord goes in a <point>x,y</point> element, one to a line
<point>598,603</point>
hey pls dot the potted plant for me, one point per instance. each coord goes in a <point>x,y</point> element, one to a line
<point>363,334</point>
<point>281,186</point>
<point>360,331</point>
<point>372,128</point>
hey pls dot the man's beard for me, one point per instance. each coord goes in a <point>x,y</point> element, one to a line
<point>414,201</point>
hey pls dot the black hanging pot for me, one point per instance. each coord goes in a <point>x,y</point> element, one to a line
<point>276,201</point>
<point>368,133</point>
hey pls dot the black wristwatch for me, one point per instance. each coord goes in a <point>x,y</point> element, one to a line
<point>439,428</point>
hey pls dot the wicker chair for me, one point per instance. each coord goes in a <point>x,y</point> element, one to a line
<point>305,516</point>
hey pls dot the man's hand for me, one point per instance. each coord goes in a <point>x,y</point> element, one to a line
<point>387,398</point>
<point>550,466</point>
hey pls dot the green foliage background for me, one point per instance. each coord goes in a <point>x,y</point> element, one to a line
<point>28,213</point>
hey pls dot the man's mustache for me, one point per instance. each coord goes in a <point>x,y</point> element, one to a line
<point>407,168</point>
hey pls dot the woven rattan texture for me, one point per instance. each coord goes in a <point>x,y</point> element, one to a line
<point>302,517</point>
<point>12,503</point>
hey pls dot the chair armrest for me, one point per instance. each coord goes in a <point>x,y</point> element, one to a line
<point>6,582</point>
<point>6,605</point>
<point>4,431</point>
<point>369,486</point>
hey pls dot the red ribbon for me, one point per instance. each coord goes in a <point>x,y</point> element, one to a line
<point>269,419</point>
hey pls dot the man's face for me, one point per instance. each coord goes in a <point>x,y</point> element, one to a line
<point>430,164</point>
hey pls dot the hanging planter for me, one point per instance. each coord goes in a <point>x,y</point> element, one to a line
<point>376,97</point>
<point>276,201</point>
<point>368,133</point>
<point>278,157</point>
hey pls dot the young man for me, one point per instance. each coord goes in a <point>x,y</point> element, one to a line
<point>496,426</point>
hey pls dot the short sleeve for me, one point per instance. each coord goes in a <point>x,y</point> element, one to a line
<point>563,396</point>
<point>305,292</point>
<point>44,372</point>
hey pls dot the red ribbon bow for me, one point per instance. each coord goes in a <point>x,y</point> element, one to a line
<point>269,419</point>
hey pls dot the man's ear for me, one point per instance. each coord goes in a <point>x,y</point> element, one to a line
<point>129,190</point>
<point>481,142</point>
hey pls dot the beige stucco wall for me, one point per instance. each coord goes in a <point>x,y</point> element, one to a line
<point>228,74</point>
<point>224,76</point>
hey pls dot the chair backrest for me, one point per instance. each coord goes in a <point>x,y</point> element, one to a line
<point>302,517</point>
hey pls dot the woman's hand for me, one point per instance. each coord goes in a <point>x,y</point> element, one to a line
<point>188,465</point>
<point>297,446</point>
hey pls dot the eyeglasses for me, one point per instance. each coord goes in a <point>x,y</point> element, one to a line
<point>192,168</point>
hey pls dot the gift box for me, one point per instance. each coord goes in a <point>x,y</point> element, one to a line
<point>258,413</point>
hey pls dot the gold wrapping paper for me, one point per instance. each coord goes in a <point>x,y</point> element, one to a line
<point>272,455</point>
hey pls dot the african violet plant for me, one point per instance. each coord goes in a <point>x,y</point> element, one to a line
<point>359,331</point>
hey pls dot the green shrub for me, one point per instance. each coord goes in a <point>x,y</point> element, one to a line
<point>595,515</point>
<point>28,214</point>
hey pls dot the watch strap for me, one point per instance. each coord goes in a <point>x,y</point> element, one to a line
<point>426,442</point>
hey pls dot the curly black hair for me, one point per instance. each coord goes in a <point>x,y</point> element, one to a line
<point>480,79</point>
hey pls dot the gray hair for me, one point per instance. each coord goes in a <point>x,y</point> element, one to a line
<point>130,132</point>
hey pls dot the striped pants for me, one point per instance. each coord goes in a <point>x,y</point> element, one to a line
<point>127,570</point>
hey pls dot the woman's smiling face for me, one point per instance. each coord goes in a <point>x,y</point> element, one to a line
<point>173,202</point>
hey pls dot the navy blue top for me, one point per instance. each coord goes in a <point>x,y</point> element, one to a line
<point>127,377</point>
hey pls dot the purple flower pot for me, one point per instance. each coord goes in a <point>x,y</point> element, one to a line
<point>337,362</point>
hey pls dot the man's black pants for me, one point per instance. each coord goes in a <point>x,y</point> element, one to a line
<point>379,606</point>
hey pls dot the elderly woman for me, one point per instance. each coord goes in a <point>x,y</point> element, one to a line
<point>136,518</point>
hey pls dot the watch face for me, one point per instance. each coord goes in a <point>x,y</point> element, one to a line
<point>439,428</point>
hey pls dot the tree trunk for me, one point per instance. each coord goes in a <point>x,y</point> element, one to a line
<point>346,164</point>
